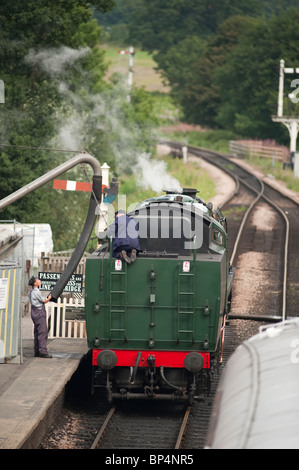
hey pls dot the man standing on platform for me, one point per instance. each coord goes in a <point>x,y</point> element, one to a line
<point>39,318</point>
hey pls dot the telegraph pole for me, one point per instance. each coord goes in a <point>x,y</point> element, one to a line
<point>130,76</point>
<point>2,92</point>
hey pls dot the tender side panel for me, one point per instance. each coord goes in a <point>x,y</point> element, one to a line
<point>157,303</point>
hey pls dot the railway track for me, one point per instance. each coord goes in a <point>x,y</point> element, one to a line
<point>261,222</point>
<point>275,247</point>
<point>115,418</point>
<point>274,238</point>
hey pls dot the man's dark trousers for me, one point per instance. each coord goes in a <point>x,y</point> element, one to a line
<point>39,318</point>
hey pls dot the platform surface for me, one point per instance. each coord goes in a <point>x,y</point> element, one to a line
<point>27,390</point>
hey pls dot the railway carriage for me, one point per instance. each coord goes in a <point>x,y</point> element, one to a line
<point>256,405</point>
<point>155,327</point>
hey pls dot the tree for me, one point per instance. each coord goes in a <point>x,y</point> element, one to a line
<point>56,97</point>
<point>159,26</point>
<point>221,58</point>
<point>193,68</point>
<point>36,37</point>
<point>249,78</point>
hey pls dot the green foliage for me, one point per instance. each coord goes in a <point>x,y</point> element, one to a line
<point>151,25</point>
<point>38,39</point>
<point>56,96</point>
<point>221,58</point>
<point>103,5</point>
<point>120,14</point>
<point>249,77</point>
<point>115,22</point>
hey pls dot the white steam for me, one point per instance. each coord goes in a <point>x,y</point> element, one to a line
<point>153,174</point>
<point>70,135</point>
<point>53,61</point>
<point>89,115</point>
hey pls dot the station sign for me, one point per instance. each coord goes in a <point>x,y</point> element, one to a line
<point>49,280</point>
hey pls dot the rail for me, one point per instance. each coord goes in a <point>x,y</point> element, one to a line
<point>287,236</point>
<point>208,155</point>
<point>183,428</point>
<point>244,220</point>
<point>103,428</point>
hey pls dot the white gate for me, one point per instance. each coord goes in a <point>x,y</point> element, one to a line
<point>65,318</point>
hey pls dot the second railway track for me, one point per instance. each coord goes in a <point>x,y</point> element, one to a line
<point>270,227</point>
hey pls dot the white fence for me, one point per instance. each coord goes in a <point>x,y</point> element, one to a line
<point>65,318</point>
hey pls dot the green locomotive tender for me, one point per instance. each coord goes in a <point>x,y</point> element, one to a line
<point>156,327</point>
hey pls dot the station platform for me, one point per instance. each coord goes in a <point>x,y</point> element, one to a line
<point>32,392</point>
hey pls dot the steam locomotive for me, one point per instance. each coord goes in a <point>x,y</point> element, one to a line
<point>155,327</point>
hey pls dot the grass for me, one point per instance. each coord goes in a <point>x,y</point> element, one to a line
<point>217,140</point>
<point>144,73</point>
<point>189,175</point>
<point>286,176</point>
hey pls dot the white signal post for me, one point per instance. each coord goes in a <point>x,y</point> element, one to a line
<point>280,89</point>
<point>102,223</point>
<point>291,122</point>
<point>2,92</point>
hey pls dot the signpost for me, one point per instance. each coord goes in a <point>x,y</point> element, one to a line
<point>291,122</point>
<point>48,281</point>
